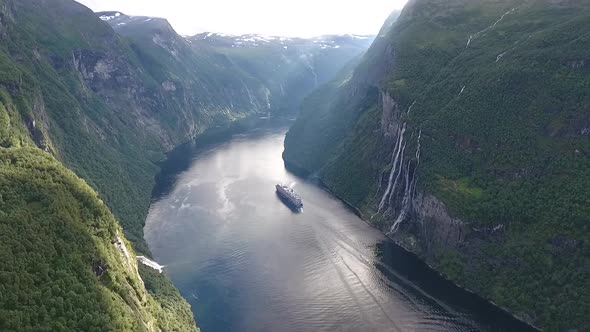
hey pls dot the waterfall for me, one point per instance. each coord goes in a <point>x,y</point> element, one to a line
<point>410,188</point>
<point>410,108</point>
<point>396,153</point>
<point>405,201</point>
<point>462,89</point>
<point>384,172</point>
<point>401,169</point>
<point>476,35</point>
<point>418,147</point>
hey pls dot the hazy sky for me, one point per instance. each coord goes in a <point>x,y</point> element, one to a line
<point>270,17</point>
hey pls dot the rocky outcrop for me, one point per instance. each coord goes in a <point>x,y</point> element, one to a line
<point>505,149</point>
<point>431,230</point>
<point>416,220</point>
<point>123,88</point>
<point>5,16</point>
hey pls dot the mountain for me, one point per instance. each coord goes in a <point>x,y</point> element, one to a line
<point>291,68</point>
<point>66,265</point>
<point>463,134</point>
<point>88,108</point>
<point>279,71</point>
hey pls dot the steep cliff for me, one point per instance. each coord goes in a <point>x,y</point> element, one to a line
<point>463,135</point>
<point>227,71</point>
<point>290,68</point>
<point>64,263</point>
<point>106,102</point>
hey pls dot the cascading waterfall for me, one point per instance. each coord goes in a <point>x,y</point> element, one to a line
<point>399,173</point>
<point>410,188</point>
<point>395,156</point>
<point>401,181</point>
<point>405,201</point>
<point>396,200</point>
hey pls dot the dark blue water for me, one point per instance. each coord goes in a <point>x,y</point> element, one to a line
<point>246,262</point>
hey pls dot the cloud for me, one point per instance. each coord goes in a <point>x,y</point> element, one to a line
<point>271,17</point>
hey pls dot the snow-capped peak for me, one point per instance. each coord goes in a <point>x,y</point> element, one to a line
<point>110,17</point>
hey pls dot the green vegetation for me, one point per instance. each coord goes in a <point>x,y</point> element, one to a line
<point>505,142</point>
<point>59,267</point>
<point>55,230</point>
<point>107,105</point>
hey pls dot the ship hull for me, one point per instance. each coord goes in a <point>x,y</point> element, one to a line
<point>290,204</point>
<point>293,203</point>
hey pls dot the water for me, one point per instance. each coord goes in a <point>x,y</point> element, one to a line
<point>246,262</point>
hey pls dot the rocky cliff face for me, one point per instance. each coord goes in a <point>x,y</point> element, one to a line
<point>418,221</point>
<point>440,137</point>
<point>252,71</point>
<point>106,96</point>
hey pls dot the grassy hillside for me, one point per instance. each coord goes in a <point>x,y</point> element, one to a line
<point>61,263</point>
<point>499,92</point>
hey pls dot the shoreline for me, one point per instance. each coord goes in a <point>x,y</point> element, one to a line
<point>301,172</point>
<point>221,134</point>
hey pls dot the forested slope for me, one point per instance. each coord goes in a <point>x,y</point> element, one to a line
<point>64,263</point>
<point>464,135</point>
<point>79,97</point>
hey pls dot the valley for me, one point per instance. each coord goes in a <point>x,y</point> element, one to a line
<point>460,130</point>
<point>461,135</point>
<point>78,95</point>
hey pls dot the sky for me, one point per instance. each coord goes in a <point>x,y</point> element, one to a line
<point>302,18</point>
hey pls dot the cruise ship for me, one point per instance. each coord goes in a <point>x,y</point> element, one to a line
<point>289,197</point>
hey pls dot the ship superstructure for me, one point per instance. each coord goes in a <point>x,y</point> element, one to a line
<point>289,197</point>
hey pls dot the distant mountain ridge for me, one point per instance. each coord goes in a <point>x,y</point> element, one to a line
<point>281,71</point>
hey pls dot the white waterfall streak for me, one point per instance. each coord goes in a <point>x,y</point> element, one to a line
<point>469,40</point>
<point>392,166</point>
<point>396,153</point>
<point>410,108</point>
<point>405,202</point>
<point>502,17</point>
<point>476,35</point>
<point>410,188</point>
<point>397,177</point>
<point>418,147</point>
<point>462,89</point>
<point>516,44</point>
